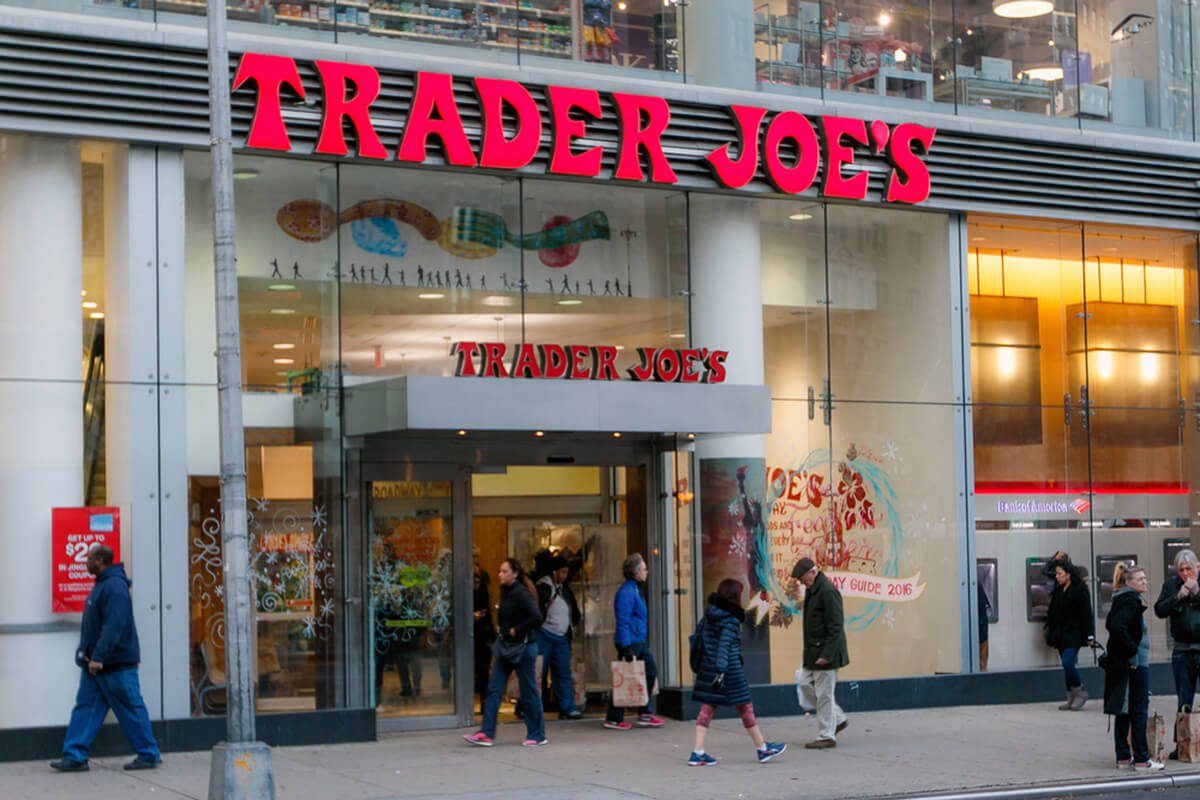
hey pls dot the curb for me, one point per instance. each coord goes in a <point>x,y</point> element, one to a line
<point>1072,789</point>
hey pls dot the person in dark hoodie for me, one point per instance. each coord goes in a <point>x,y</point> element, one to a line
<point>108,656</point>
<point>721,679</point>
<point>516,649</point>
<point>1069,626</point>
<point>1126,672</point>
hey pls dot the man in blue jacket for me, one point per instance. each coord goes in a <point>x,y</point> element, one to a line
<point>630,637</point>
<point>108,655</point>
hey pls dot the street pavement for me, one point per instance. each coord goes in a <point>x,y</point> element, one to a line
<point>881,754</point>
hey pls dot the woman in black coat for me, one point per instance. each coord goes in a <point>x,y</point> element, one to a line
<point>721,679</point>
<point>515,649</point>
<point>1127,667</point>
<point>1069,626</point>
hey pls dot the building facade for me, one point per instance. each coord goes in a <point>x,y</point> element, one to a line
<point>908,290</point>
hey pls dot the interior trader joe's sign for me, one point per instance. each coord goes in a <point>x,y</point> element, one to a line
<point>785,145</point>
<point>578,362</point>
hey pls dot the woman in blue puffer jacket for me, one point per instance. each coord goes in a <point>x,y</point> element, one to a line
<point>721,680</point>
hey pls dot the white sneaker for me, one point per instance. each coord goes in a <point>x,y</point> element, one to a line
<point>1148,766</point>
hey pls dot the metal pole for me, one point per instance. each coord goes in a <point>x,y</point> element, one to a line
<point>241,767</point>
<point>238,655</point>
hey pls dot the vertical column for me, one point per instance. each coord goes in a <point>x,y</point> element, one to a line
<point>131,391</point>
<point>174,335</point>
<point>41,402</point>
<point>726,313</point>
<point>718,43</point>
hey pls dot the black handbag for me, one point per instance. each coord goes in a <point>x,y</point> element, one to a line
<point>509,652</point>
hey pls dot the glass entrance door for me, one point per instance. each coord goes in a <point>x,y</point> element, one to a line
<point>416,530</point>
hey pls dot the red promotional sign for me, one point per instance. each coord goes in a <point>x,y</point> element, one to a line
<point>577,362</point>
<point>783,144</point>
<point>74,532</point>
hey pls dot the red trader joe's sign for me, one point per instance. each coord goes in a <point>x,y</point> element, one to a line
<point>786,145</point>
<point>73,533</point>
<point>577,362</point>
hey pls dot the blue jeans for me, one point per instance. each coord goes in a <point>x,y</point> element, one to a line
<point>119,691</point>
<point>641,652</point>
<point>556,654</point>
<point>1139,705</point>
<point>1185,665</point>
<point>531,701</point>
<point>1070,657</point>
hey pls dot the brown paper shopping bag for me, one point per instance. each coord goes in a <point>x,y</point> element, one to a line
<point>629,684</point>
<point>1187,735</point>
<point>1156,736</point>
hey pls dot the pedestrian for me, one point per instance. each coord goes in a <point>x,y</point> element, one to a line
<point>985,608</point>
<point>721,679</point>
<point>515,649</point>
<point>1070,626</point>
<point>1127,668</point>
<point>108,656</point>
<point>1179,601</point>
<point>825,651</point>
<point>630,637</point>
<point>485,631</point>
<point>561,618</point>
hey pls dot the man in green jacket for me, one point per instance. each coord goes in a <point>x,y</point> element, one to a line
<point>824,651</point>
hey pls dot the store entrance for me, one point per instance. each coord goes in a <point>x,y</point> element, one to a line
<point>434,537</point>
<point>548,516</point>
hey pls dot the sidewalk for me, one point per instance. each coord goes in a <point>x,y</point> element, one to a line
<point>881,753</point>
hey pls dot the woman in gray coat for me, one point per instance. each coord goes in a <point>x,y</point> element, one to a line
<point>721,678</point>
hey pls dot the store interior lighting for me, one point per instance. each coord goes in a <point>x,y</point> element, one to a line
<point>1045,72</point>
<point>1021,9</point>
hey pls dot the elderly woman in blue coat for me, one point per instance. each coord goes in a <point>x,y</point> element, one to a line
<point>721,679</point>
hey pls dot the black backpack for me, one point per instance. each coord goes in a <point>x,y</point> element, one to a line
<point>696,647</point>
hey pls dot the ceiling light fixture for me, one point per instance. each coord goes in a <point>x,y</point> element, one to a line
<point>83,292</point>
<point>1047,72</point>
<point>97,315</point>
<point>616,434</point>
<point>539,434</point>
<point>497,300</point>
<point>462,433</point>
<point>284,346</point>
<point>570,302</point>
<point>885,19</point>
<point>282,361</point>
<point>91,304</point>
<point>281,287</point>
<point>283,312</point>
<point>678,335</point>
<point>1021,9</point>
<point>800,217</point>
<point>245,174</point>
<point>431,295</point>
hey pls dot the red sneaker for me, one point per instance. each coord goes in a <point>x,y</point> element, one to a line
<point>650,721</point>
<point>480,738</point>
<point>617,726</point>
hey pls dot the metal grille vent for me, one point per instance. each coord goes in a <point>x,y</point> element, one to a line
<point>156,94</point>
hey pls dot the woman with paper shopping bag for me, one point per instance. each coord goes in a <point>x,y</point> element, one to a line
<point>1179,601</point>
<point>515,649</point>
<point>721,678</point>
<point>630,637</point>
<point>1126,673</point>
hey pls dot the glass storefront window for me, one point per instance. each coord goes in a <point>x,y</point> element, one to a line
<point>1018,55</point>
<point>861,472</point>
<point>1135,66</point>
<point>288,297</point>
<point>1079,375</point>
